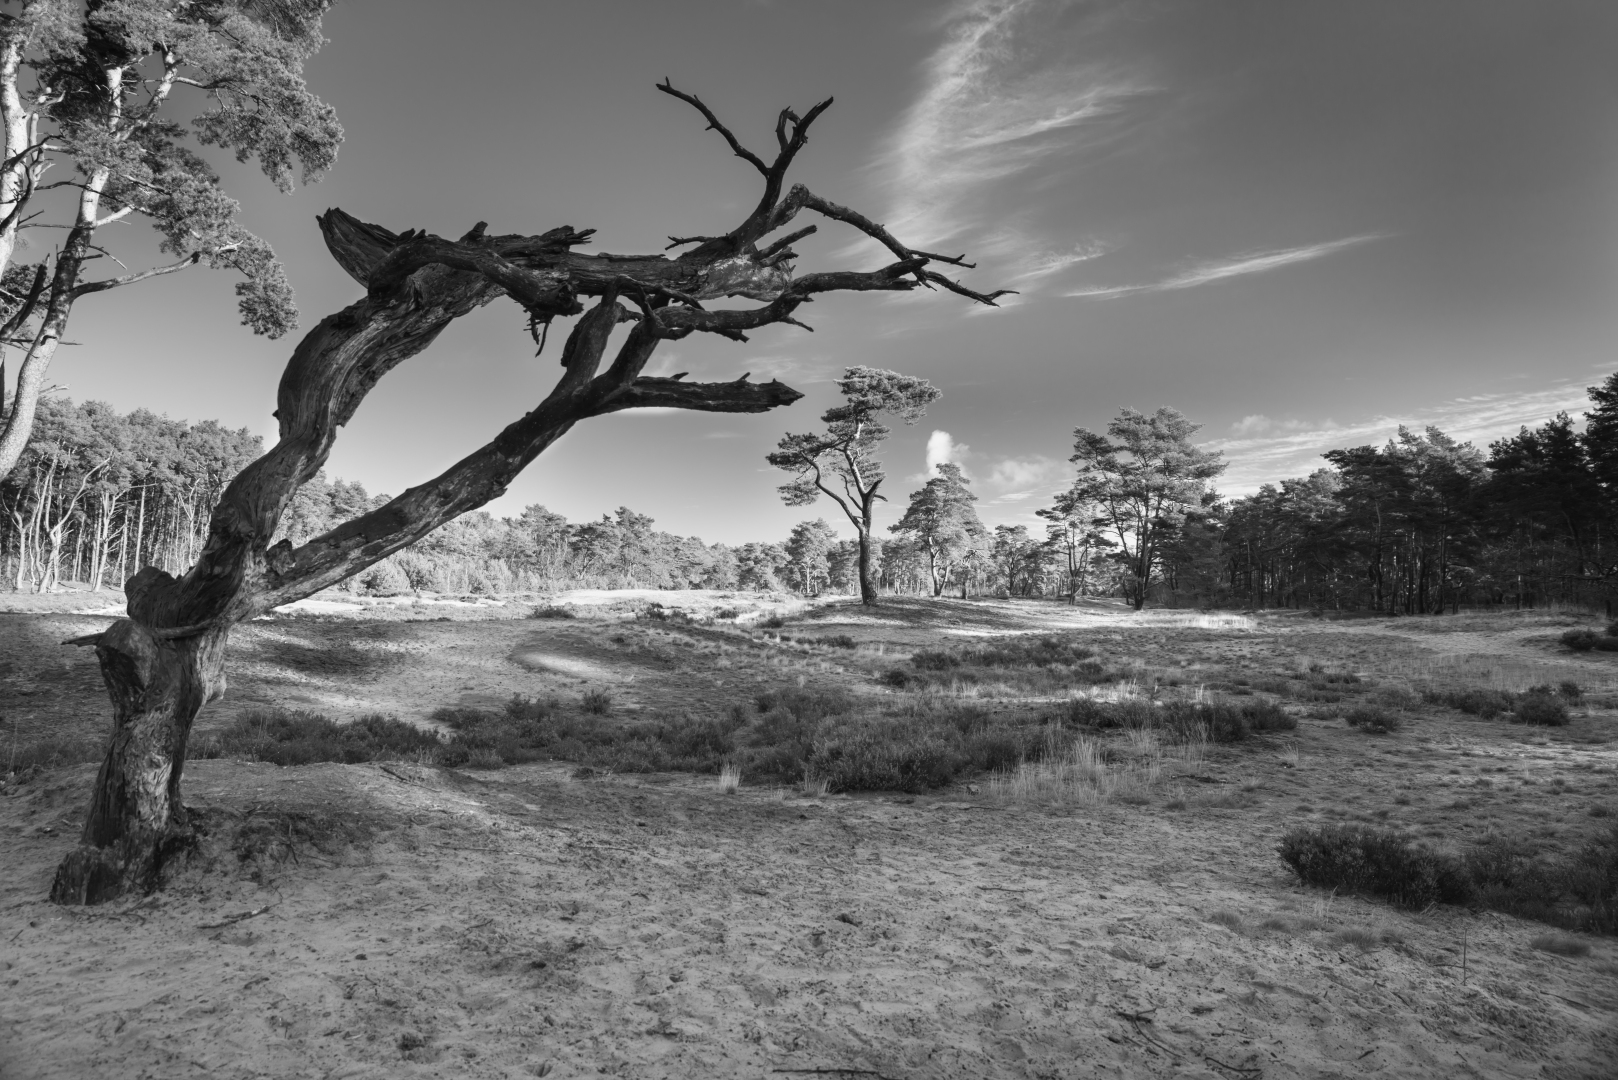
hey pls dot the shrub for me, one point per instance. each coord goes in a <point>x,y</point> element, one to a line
<point>1570,691</point>
<point>1542,709</point>
<point>882,754</point>
<point>1224,721</point>
<point>295,737</point>
<point>1612,628</point>
<point>1560,945</point>
<point>1396,697</point>
<point>935,660</point>
<point>1373,719</point>
<point>837,641</point>
<point>772,622</point>
<point>1580,640</point>
<point>807,704</point>
<point>552,611</point>
<point>1378,862</point>
<point>1474,702</point>
<point>598,702</point>
<point>898,678</point>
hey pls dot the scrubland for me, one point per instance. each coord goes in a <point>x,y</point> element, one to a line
<point>708,835</point>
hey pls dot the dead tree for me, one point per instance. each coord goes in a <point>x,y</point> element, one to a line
<point>166,659</point>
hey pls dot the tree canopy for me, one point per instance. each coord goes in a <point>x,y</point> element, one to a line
<point>88,99</point>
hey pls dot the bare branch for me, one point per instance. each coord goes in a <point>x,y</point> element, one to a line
<point>128,279</point>
<point>714,125</point>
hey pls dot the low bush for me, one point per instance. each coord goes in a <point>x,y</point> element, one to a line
<point>1378,862</point>
<point>1474,702</point>
<point>1222,721</point>
<point>552,611</point>
<point>295,737</point>
<point>1374,719</point>
<point>1576,892</point>
<point>1541,709</point>
<point>1396,697</point>
<point>1580,640</point>
<point>837,641</point>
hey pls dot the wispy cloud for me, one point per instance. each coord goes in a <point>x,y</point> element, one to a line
<point>1204,273</point>
<point>1259,424</point>
<point>1266,455</point>
<point>994,105</point>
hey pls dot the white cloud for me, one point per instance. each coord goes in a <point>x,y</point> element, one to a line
<point>1027,472</point>
<point>941,448</point>
<point>1206,272</point>
<point>1261,455</point>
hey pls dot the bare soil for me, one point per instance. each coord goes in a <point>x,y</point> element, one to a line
<point>398,920</point>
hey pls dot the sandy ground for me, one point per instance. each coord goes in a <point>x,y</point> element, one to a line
<point>394,920</point>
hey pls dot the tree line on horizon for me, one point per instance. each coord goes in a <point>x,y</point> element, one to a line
<point>1423,524</point>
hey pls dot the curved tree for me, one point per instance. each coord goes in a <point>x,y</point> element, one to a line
<point>840,462</point>
<point>166,659</point>
<point>89,91</point>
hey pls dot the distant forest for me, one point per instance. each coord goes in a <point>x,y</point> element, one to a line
<point>1421,525</point>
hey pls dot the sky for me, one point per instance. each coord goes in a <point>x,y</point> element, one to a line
<point>1302,223</point>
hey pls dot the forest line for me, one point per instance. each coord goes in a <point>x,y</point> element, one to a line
<point>1421,524</point>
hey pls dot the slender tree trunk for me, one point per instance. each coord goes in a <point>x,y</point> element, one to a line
<point>867,573</point>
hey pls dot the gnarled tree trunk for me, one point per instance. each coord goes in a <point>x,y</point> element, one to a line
<point>136,815</point>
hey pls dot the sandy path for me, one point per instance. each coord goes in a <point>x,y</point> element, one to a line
<point>522,924</point>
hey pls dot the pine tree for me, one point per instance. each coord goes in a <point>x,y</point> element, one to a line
<point>941,520</point>
<point>841,463</point>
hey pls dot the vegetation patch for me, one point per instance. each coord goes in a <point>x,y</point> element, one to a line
<point>1577,892</point>
<point>1374,720</point>
<point>1217,721</point>
<point>295,737</point>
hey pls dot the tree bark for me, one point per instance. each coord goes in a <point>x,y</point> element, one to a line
<point>137,820</point>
